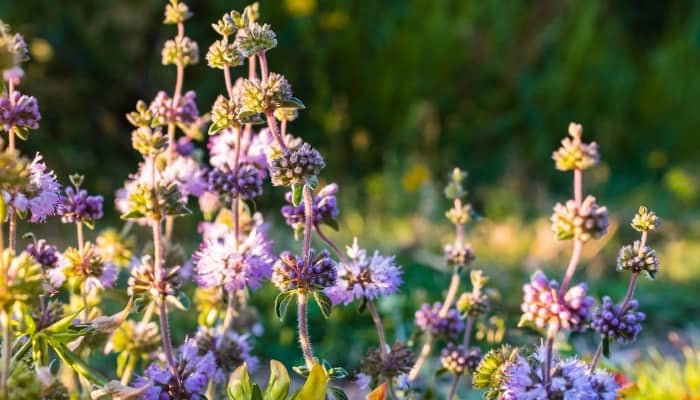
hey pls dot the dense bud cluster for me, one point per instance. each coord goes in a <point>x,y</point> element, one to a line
<point>181,51</point>
<point>458,360</point>
<point>621,325</point>
<point>324,208</point>
<point>543,307</point>
<point>247,184</point>
<point>296,166</point>
<point>255,39</point>
<point>143,282</point>
<point>458,256</point>
<point>290,272</point>
<point>398,360</point>
<point>573,153</point>
<point>589,221</point>
<point>645,220</point>
<point>164,112</point>
<point>223,54</point>
<point>18,113</point>
<point>638,259</point>
<point>78,206</point>
<point>428,319</point>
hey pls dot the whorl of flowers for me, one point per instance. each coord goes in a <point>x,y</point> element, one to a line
<point>48,257</point>
<point>223,54</point>
<point>458,256</point>
<point>23,280</point>
<point>164,112</point>
<point>397,361</point>
<point>77,206</point>
<point>176,12</point>
<point>87,267</point>
<point>188,381</point>
<point>41,196</point>
<point>257,97</point>
<point>143,200</point>
<point>589,221</point>
<point>365,277</point>
<point>13,49</point>
<point>223,146</point>
<point>181,51</point>
<point>543,307</point>
<point>570,379</point>
<point>234,266</point>
<point>296,166</point>
<point>428,319</point>
<point>620,325</point>
<point>645,220</point>
<point>246,184</point>
<point>573,153</point>
<point>18,113</point>
<point>143,282</point>
<point>187,174</point>
<point>290,272</point>
<point>637,259</point>
<point>324,208</point>
<point>255,39</point>
<point>458,360</point>
<point>230,350</point>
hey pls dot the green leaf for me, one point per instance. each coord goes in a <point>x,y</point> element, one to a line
<point>338,393</point>
<point>76,364</point>
<point>312,182</point>
<point>122,359</point>
<point>257,394</point>
<point>606,347</point>
<point>440,372</point>
<point>292,102</point>
<point>332,223</point>
<point>62,324</point>
<point>363,306</point>
<point>22,133</point>
<point>214,129</point>
<point>239,386</point>
<point>337,373</point>
<point>278,385</point>
<point>40,350</point>
<point>282,302</point>
<point>296,194</point>
<point>132,215</point>
<point>324,303</point>
<point>90,224</point>
<point>315,386</point>
<point>182,302</point>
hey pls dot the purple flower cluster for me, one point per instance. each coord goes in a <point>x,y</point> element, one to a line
<point>290,272</point>
<point>184,146</point>
<point>185,112</point>
<point>248,184</point>
<point>325,207</point>
<point>77,206</point>
<point>621,325</point>
<point>543,307</point>
<point>192,374</point>
<point>18,111</point>
<point>43,253</point>
<point>253,149</point>
<point>459,360</point>
<point>428,319</point>
<point>296,165</point>
<point>365,277</point>
<point>41,197</point>
<point>230,350</point>
<point>522,379</point>
<point>234,265</point>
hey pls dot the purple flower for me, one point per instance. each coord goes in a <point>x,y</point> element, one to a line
<point>290,272</point>
<point>185,112</point>
<point>365,277</point>
<point>222,148</point>
<point>324,208</point>
<point>77,206</point>
<point>184,146</point>
<point>458,360</point>
<point>43,253</point>
<point>229,350</point>
<point>449,325</point>
<point>41,197</point>
<point>193,371</point>
<point>19,111</point>
<point>235,266</point>
<point>612,322</point>
<point>543,307</point>
<point>187,173</point>
<point>247,184</point>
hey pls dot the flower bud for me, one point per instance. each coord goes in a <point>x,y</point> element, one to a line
<point>296,166</point>
<point>176,12</point>
<point>645,220</point>
<point>638,259</point>
<point>181,51</point>
<point>459,360</point>
<point>255,39</point>
<point>223,54</point>
<point>585,222</point>
<point>573,153</point>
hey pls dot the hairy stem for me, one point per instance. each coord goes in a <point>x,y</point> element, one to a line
<point>308,224</point>
<point>12,240</point>
<point>571,269</point>
<point>596,356</point>
<point>578,187</point>
<point>451,294</point>
<point>465,343</point>
<point>304,338</point>
<point>11,134</point>
<point>383,346</point>
<point>549,349</point>
<point>274,129</point>
<point>263,67</point>
<point>422,357</point>
<point>230,312</point>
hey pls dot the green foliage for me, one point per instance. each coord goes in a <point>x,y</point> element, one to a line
<point>666,378</point>
<point>240,386</point>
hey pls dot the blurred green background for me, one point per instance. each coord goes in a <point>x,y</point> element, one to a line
<point>399,92</point>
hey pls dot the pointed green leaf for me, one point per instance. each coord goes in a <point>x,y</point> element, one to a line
<point>3,210</point>
<point>282,302</point>
<point>75,363</point>
<point>278,385</point>
<point>90,224</point>
<point>315,386</point>
<point>332,223</point>
<point>292,102</point>
<point>312,182</point>
<point>63,324</point>
<point>324,303</point>
<point>257,394</point>
<point>239,386</point>
<point>214,129</point>
<point>296,194</point>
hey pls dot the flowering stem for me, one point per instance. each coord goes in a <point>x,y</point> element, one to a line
<point>162,305</point>
<point>83,291</point>
<point>272,124</point>
<point>252,68</point>
<point>6,349</point>
<point>422,357</point>
<point>384,348</point>
<point>596,356</point>
<point>304,338</point>
<point>12,231</point>
<point>263,66</point>
<point>230,312</point>
<point>465,343</point>
<point>578,186</point>
<point>573,263</point>
<point>308,225</point>
<point>451,294</point>
<point>331,244</point>
<point>551,333</point>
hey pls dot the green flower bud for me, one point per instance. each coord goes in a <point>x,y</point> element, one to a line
<point>454,189</point>
<point>226,26</point>
<point>155,203</point>
<point>645,220</point>
<point>13,48</point>
<point>638,259</point>
<point>255,39</point>
<point>473,304</point>
<point>223,54</point>
<point>181,51</point>
<point>142,116</point>
<point>176,12</point>
<point>143,283</point>
<point>460,216</point>
<point>573,153</point>
<point>257,97</point>
<point>224,113</point>
<point>149,142</point>
<point>585,222</point>
<point>23,279</point>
